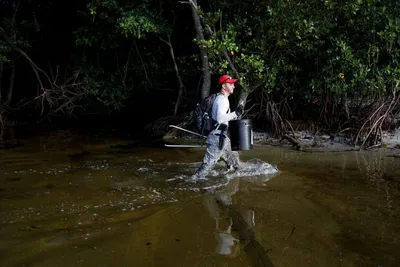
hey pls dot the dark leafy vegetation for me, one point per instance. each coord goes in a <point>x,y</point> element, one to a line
<point>334,65</point>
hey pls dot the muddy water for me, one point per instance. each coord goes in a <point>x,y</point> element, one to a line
<point>67,201</point>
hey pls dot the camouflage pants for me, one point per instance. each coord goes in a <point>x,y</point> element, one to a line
<point>213,154</point>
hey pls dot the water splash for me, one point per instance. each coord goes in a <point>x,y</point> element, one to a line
<point>254,170</point>
<point>131,184</point>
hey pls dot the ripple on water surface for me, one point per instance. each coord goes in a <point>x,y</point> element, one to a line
<point>126,183</point>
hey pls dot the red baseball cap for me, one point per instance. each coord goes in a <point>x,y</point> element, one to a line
<point>226,79</point>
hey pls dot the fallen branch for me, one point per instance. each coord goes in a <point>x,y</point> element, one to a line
<point>291,127</point>
<point>295,143</point>
<point>374,146</point>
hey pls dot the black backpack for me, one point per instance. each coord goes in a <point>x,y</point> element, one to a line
<point>202,115</point>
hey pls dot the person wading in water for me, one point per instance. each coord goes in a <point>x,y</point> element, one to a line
<point>218,145</point>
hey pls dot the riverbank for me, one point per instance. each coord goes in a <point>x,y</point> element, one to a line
<point>300,140</point>
<point>304,141</point>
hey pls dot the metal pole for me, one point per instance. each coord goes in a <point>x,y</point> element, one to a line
<point>188,131</point>
<point>184,145</point>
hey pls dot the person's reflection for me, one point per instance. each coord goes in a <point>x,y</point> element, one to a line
<point>218,203</point>
<point>227,244</point>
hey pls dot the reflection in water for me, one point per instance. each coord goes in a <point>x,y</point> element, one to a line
<point>225,239</point>
<point>227,217</point>
<point>217,203</point>
<point>376,173</point>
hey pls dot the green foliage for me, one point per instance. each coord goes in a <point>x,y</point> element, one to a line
<point>362,61</point>
<point>132,19</point>
<point>346,49</point>
<point>12,37</point>
<point>5,48</point>
<point>326,49</point>
<point>105,87</point>
<point>137,23</point>
<point>116,27</point>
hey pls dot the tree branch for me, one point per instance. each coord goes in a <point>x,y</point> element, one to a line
<point>144,67</point>
<point>205,89</point>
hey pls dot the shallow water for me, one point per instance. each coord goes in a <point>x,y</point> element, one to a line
<point>69,201</point>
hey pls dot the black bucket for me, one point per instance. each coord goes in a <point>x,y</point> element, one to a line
<point>241,134</point>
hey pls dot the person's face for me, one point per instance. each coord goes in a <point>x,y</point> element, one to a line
<point>228,88</point>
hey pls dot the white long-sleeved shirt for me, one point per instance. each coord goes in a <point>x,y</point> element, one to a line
<point>221,111</point>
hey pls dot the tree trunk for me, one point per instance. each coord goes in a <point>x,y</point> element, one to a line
<point>11,83</point>
<point>243,97</point>
<point>1,76</point>
<point>181,87</point>
<point>205,89</point>
<point>144,68</point>
<point>247,89</point>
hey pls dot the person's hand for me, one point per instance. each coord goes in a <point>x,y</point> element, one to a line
<point>239,110</point>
